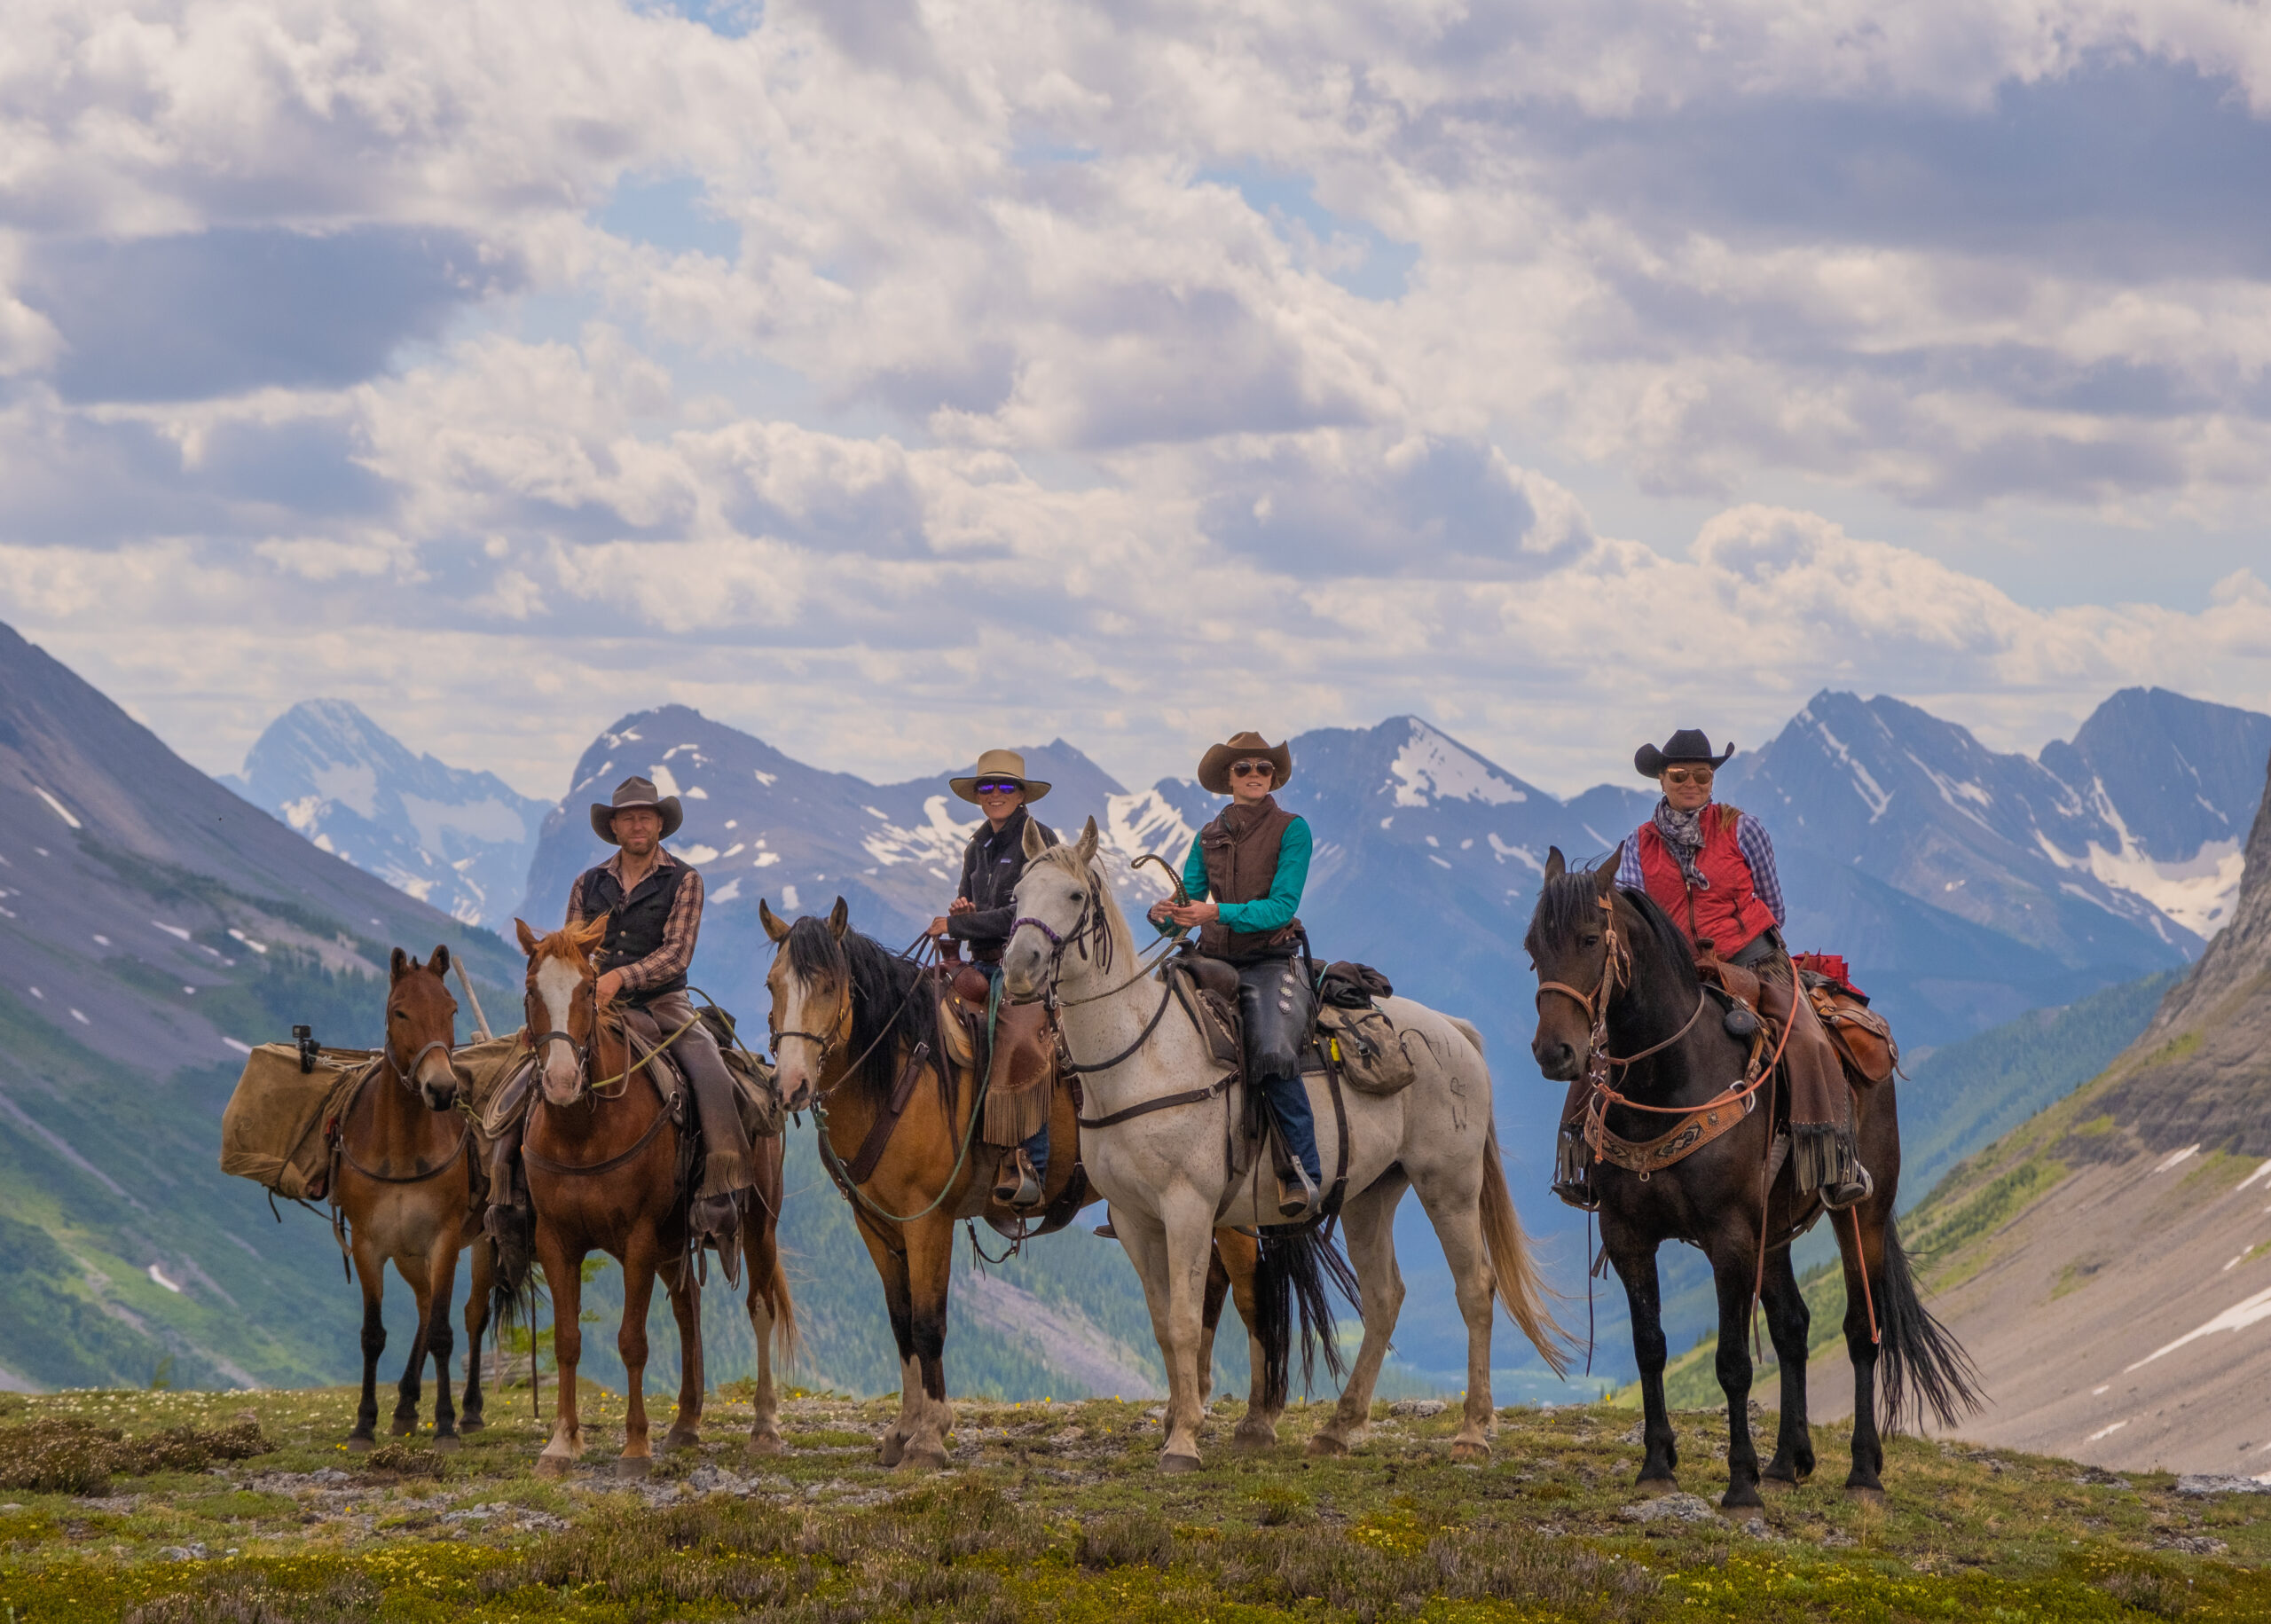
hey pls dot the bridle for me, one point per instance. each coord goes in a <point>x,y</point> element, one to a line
<point>408,1075</point>
<point>1616,975</point>
<point>826,1042</point>
<point>1090,925</point>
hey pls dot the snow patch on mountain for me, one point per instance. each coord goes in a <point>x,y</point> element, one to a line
<point>1431,767</point>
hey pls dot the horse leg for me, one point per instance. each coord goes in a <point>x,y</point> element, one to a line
<point>693,1383</point>
<point>477,1327</point>
<point>1787,1322</point>
<point>442,1273</point>
<point>761,1256</point>
<point>1170,1253</point>
<point>1239,1254</point>
<point>1210,1317</point>
<point>369,1267</point>
<point>1734,1268</point>
<point>929,1267</point>
<point>412,1387</point>
<point>1865,1284</point>
<point>564,1274</point>
<point>1635,1260</point>
<point>1368,1228</point>
<point>637,1458</point>
<point>891,1267</point>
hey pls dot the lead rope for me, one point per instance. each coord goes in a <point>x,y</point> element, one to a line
<point>1867,1296</point>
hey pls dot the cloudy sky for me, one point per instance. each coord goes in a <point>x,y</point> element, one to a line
<point>891,377</point>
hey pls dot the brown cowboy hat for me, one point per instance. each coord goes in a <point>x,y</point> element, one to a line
<point>1688,744</point>
<point>998,765</point>
<point>631,795</point>
<point>1214,766</point>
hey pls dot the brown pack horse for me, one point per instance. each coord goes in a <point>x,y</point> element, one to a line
<point>405,1186</point>
<point>851,1022</point>
<point>1614,955</point>
<point>607,1170</point>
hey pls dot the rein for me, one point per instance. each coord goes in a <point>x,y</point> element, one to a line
<point>418,1175</point>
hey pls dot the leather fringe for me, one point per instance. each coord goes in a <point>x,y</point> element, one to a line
<point>1824,1154</point>
<point>1014,1116</point>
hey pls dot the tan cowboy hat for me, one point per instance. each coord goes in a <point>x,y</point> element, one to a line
<point>1214,766</point>
<point>631,795</point>
<point>998,765</point>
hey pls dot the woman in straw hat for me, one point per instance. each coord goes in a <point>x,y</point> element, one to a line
<point>1244,875</point>
<point>981,915</point>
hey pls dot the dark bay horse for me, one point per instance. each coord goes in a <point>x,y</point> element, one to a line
<point>1598,949</point>
<point>607,1172</point>
<point>851,1022</point>
<point>405,1188</point>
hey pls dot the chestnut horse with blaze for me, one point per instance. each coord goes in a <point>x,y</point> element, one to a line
<point>608,1172</point>
<point>405,1186</point>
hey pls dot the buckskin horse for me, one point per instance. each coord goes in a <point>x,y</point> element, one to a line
<point>404,1187</point>
<point>1617,978</point>
<point>1154,1144</point>
<point>855,1028</point>
<point>608,1171</point>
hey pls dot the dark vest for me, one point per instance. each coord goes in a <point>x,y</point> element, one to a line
<point>634,928</point>
<point>1240,851</point>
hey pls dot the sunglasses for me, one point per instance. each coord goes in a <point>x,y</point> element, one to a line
<point>1687,775</point>
<point>999,786</point>
<point>1253,769</point>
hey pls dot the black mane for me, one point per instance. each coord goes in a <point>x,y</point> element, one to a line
<point>1568,905</point>
<point>889,1016</point>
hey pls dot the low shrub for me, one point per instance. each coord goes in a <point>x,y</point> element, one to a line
<point>69,1456</point>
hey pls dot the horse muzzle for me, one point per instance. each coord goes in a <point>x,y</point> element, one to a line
<point>1558,1061</point>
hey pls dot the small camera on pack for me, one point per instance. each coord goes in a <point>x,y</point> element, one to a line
<point>310,1051</point>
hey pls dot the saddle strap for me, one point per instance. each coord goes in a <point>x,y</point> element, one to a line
<point>592,1169</point>
<point>420,1175</point>
<point>862,1166</point>
<point>1188,1096</point>
<point>1688,1135</point>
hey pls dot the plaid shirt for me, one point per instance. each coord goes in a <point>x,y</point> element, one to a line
<point>1751,840</point>
<point>675,956</point>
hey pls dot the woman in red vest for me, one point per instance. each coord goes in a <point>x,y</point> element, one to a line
<point>1711,868</point>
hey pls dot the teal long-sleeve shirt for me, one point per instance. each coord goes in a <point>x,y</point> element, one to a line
<point>1285,898</point>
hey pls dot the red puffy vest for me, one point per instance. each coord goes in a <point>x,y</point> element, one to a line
<point>1729,914</point>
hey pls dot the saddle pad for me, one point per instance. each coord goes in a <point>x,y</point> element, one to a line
<point>272,1129</point>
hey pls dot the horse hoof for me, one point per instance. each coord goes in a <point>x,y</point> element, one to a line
<point>767,1443</point>
<point>360,1443</point>
<point>448,1443</point>
<point>471,1423</point>
<point>1866,1493</point>
<point>402,1426</point>
<point>1178,1462</point>
<point>923,1457</point>
<point>1746,1497</point>
<point>634,1466</point>
<point>674,1441</point>
<point>1325,1443</point>
<point>1463,1450</point>
<point>1653,1486</point>
<point>889,1447</point>
<point>1255,1439</point>
<point>552,1465</point>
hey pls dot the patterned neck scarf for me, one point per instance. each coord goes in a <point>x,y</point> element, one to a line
<point>1683,832</point>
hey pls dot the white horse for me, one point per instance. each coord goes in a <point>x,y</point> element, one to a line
<point>1164,1172</point>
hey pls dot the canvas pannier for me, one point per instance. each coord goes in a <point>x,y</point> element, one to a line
<point>273,1129</point>
<point>1367,1048</point>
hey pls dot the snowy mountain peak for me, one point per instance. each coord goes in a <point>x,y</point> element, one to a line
<point>459,840</point>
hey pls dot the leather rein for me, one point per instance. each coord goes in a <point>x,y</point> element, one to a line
<point>407,1078</point>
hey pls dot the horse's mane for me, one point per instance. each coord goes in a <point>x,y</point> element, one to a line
<point>1568,903</point>
<point>888,1014</point>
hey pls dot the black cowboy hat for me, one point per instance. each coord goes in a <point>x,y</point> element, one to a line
<point>635,794</point>
<point>1688,744</point>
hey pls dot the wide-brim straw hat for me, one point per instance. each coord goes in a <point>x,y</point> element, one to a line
<point>998,765</point>
<point>1688,744</point>
<point>633,795</point>
<point>1214,766</point>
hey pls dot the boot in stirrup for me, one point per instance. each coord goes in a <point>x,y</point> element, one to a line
<point>1858,1189</point>
<point>1298,1200</point>
<point>1018,1185</point>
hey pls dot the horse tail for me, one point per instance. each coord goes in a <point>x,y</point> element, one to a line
<point>1923,1366</point>
<point>786,1338</point>
<point>513,1290</point>
<point>1291,1274</point>
<point>1468,1031</point>
<point>1515,1274</point>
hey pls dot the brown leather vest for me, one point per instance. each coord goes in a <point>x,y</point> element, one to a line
<point>1240,851</point>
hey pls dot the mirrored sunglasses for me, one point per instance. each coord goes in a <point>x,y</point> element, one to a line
<point>998,786</point>
<point>1687,775</point>
<point>1249,769</point>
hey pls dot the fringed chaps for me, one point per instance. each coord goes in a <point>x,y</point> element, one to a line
<point>1821,1100</point>
<point>1022,1075</point>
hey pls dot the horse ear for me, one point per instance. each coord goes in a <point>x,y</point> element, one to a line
<point>398,966</point>
<point>1084,852</point>
<point>1604,876</point>
<point>1556,865</point>
<point>772,921</point>
<point>840,919</point>
<point>440,962</point>
<point>528,938</point>
<point>1033,843</point>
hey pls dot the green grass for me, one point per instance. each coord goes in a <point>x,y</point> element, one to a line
<point>1058,1512</point>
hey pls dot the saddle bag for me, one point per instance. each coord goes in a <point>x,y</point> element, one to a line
<point>274,1129</point>
<point>1862,1037</point>
<point>1367,1046</point>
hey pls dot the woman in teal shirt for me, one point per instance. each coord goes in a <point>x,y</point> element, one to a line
<point>1244,875</point>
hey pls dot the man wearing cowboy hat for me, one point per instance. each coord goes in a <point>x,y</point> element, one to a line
<point>653,905</point>
<point>1245,874</point>
<point>1711,868</point>
<point>981,916</point>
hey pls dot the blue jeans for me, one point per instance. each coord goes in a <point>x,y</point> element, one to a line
<point>1036,1149</point>
<point>1289,1103</point>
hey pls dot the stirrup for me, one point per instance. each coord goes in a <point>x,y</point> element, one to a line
<point>1837,1197</point>
<point>1017,1187</point>
<point>1291,1208</point>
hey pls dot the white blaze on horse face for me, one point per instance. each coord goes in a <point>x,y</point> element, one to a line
<point>556,981</point>
<point>796,1059</point>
